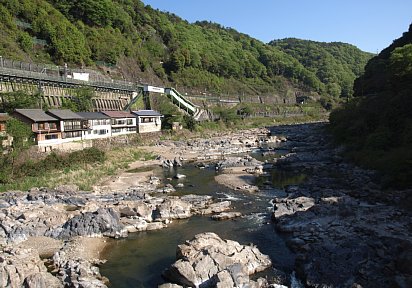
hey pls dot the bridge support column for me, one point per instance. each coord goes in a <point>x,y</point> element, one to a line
<point>146,100</point>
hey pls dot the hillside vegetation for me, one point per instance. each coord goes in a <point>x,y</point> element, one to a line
<point>147,45</point>
<point>377,124</point>
<point>335,64</point>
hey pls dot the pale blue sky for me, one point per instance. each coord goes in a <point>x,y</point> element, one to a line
<point>371,25</point>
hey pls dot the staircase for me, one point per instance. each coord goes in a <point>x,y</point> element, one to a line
<point>187,106</point>
<point>180,101</point>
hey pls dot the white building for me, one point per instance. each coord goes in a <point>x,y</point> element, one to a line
<point>148,121</point>
<point>122,122</point>
<point>72,125</point>
<point>98,125</point>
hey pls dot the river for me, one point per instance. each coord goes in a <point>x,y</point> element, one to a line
<point>139,260</point>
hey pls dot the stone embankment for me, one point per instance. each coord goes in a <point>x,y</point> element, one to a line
<point>345,230</point>
<point>68,228</point>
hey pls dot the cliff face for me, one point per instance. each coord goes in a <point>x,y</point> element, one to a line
<point>134,41</point>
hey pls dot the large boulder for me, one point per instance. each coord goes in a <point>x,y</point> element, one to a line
<point>24,268</point>
<point>217,207</point>
<point>289,206</point>
<point>78,273</point>
<point>136,208</point>
<point>103,222</point>
<point>172,208</point>
<point>203,260</point>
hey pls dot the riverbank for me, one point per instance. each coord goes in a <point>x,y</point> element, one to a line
<point>345,231</point>
<point>70,227</point>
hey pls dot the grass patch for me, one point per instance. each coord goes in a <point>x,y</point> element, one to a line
<point>89,169</point>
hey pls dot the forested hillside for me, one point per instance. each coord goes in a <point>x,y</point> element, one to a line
<point>156,47</point>
<point>335,64</point>
<point>377,124</point>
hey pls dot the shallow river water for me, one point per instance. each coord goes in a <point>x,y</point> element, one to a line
<point>139,260</point>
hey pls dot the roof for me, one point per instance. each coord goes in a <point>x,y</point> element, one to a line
<point>118,114</point>
<point>36,115</point>
<point>65,114</point>
<point>93,115</point>
<point>147,113</point>
<point>4,117</point>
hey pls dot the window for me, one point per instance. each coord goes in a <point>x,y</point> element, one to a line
<point>129,121</point>
<point>101,122</point>
<point>2,127</point>
<point>52,125</point>
<point>131,129</point>
<point>147,119</point>
<point>51,136</point>
<point>100,132</point>
<point>73,134</point>
<point>72,125</point>
<point>116,130</point>
<point>40,126</point>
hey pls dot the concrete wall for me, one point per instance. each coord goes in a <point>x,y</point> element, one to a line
<point>149,127</point>
<point>67,147</point>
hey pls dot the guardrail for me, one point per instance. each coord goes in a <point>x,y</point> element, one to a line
<point>50,73</point>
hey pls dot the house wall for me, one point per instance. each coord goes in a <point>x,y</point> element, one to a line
<point>69,146</point>
<point>44,127</point>
<point>49,139</point>
<point>122,126</point>
<point>148,124</point>
<point>123,130</point>
<point>97,129</point>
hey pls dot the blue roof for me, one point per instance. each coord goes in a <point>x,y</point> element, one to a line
<point>147,113</point>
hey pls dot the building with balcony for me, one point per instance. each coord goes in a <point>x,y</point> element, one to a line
<point>122,122</point>
<point>98,125</point>
<point>72,124</point>
<point>46,128</point>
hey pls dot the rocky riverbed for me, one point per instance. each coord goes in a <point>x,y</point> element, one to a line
<point>346,231</point>
<point>54,237</point>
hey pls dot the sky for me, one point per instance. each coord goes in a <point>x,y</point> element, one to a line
<point>371,25</point>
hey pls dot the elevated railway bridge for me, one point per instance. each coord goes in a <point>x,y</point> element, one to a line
<point>54,83</point>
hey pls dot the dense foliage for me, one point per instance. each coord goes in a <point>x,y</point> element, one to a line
<point>22,140</point>
<point>335,64</point>
<point>377,124</point>
<point>15,100</point>
<point>144,42</point>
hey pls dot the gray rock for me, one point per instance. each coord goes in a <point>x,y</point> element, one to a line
<point>217,207</point>
<point>226,216</point>
<point>180,176</point>
<point>103,222</point>
<point>169,285</point>
<point>24,268</point>
<point>79,273</point>
<point>202,259</point>
<point>172,208</point>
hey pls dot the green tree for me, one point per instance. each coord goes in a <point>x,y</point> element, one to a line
<point>18,100</point>
<point>81,102</point>
<point>189,122</point>
<point>22,140</point>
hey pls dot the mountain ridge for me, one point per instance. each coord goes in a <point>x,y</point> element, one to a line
<point>137,42</point>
